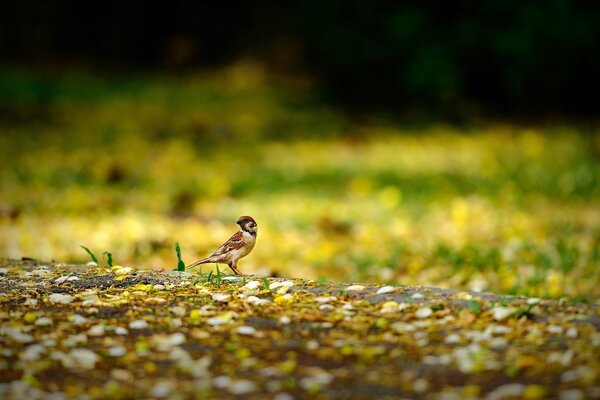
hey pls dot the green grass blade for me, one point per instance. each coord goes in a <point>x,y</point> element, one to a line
<point>94,259</point>
<point>109,259</point>
<point>180,263</point>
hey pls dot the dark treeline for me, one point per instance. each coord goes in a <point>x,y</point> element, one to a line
<point>509,57</point>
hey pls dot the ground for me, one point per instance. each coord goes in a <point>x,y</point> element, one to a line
<point>70,330</point>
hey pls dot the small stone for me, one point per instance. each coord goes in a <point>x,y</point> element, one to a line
<point>532,301</point>
<point>158,287</point>
<point>417,296</point>
<point>572,332</point>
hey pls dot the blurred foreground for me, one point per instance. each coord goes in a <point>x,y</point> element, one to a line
<point>130,166</point>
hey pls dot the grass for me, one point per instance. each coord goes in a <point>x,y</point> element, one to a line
<point>129,163</point>
<point>180,263</point>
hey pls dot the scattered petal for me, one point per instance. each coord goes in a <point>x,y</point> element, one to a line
<point>246,330</point>
<point>138,324</point>
<point>386,289</point>
<point>60,298</point>
<point>221,297</point>
<point>501,313</point>
<point>356,288</point>
<point>423,312</point>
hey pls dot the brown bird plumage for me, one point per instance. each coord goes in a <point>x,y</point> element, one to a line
<point>239,245</point>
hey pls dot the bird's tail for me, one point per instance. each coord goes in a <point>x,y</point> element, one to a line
<point>203,261</point>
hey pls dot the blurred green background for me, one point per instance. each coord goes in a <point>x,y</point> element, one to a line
<point>408,144</point>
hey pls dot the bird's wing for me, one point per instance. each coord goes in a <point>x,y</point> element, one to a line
<point>234,243</point>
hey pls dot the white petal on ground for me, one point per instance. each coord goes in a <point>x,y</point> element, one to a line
<point>509,390</point>
<point>78,319</point>
<point>43,321</point>
<point>123,271</point>
<point>60,298</point>
<point>221,382</point>
<point>555,329</point>
<point>571,394</point>
<point>385,289</point>
<point>16,335</point>
<point>117,351</point>
<point>81,359</point>
<point>241,387</point>
<point>221,297</point>
<point>138,324</point>
<point>162,389</point>
<point>119,330</point>
<point>279,284</point>
<point>222,319</point>
<point>167,342</point>
<point>33,352</point>
<point>96,330</point>
<point>420,385</point>
<point>452,338</point>
<point>423,312</point>
<point>252,285</point>
<point>501,313</point>
<point>246,330</point>
<point>325,299</point>
<point>356,287</point>
<point>257,301</point>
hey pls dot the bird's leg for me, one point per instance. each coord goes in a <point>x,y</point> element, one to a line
<point>233,267</point>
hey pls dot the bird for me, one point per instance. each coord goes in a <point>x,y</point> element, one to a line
<point>239,245</point>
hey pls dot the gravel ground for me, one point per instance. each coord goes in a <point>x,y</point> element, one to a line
<point>83,331</point>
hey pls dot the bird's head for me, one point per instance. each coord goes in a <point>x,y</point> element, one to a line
<point>248,224</point>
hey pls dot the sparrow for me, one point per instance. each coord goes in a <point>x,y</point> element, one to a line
<point>238,246</point>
